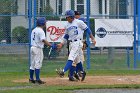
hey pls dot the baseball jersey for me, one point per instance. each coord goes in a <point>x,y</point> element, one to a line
<point>37,36</point>
<point>75,29</point>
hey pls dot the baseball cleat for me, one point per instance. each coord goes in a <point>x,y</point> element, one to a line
<point>72,79</point>
<point>83,75</point>
<point>76,76</point>
<point>31,81</point>
<point>60,72</point>
<point>40,82</point>
<point>79,73</point>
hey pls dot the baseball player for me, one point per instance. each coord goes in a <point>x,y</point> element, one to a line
<point>79,65</point>
<point>74,32</point>
<point>38,40</point>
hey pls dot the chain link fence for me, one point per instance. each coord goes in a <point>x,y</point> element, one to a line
<point>15,30</point>
<point>14,36</point>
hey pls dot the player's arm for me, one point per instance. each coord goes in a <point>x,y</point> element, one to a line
<point>91,36</point>
<point>83,26</point>
<point>64,39</point>
<point>46,42</point>
<point>43,39</point>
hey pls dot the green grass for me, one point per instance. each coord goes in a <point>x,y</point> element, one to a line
<point>7,77</point>
<point>16,67</point>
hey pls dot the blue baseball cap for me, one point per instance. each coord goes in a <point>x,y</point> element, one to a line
<point>41,21</point>
<point>70,13</point>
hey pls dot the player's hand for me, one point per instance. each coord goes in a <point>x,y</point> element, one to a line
<point>94,41</point>
<point>85,45</point>
<point>53,46</point>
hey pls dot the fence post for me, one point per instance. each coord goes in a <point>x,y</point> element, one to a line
<point>128,57</point>
<point>30,26</point>
<point>35,12</point>
<point>88,23</point>
<point>135,54</point>
<point>138,29</point>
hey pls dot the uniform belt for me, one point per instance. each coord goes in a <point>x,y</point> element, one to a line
<point>74,40</point>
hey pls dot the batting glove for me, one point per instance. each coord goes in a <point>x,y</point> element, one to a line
<point>54,46</point>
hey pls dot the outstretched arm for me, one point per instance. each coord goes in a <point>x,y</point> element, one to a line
<point>66,36</point>
<point>93,39</point>
<point>91,36</point>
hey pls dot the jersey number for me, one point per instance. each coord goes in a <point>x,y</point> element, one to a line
<point>34,36</point>
<point>76,32</point>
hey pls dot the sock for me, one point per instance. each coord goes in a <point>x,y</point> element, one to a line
<point>31,74</point>
<point>37,73</point>
<point>72,69</point>
<point>68,65</point>
<point>79,66</point>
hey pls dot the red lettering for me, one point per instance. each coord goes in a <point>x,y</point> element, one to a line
<point>55,32</point>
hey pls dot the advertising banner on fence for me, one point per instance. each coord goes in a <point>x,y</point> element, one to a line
<point>55,30</point>
<point>114,32</point>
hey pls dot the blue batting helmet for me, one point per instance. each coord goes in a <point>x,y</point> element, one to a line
<point>41,21</point>
<point>70,13</point>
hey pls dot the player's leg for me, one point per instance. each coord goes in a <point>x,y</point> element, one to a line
<point>38,65</point>
<point>31,79</point>
<point>77,45</point>
<point>71,73</point>
<point>72,55</point>
<point>74,64</point>
<point>79,66</point>
<point>61,72</point>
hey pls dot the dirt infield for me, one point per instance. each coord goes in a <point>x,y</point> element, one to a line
<point>90,80</point>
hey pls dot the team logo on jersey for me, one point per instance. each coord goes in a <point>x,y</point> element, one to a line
<point>101,32</point>
<point>55,32</point>
<point>71,28</point>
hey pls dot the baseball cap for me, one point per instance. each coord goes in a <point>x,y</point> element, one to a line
<point>77,13</point>
<point>41,21</point>
<point>69,13</point>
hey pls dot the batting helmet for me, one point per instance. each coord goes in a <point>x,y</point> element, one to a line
<point>70,13</point>
<point>41,21</point>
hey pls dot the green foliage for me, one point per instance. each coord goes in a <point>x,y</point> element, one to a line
<point>20,33</point>
<point>8,6</point>
<point>47,11</point>
<point>52,18</point>
<point>92,25</point>
<point>1,35</point>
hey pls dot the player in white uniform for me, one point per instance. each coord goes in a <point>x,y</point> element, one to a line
<point>80,59</point>
<point>74,32</point>
<point>78,62</point>
<point>38,40</point>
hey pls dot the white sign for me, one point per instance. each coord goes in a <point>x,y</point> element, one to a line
<point>114,32</point>
<point>55,30</point>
